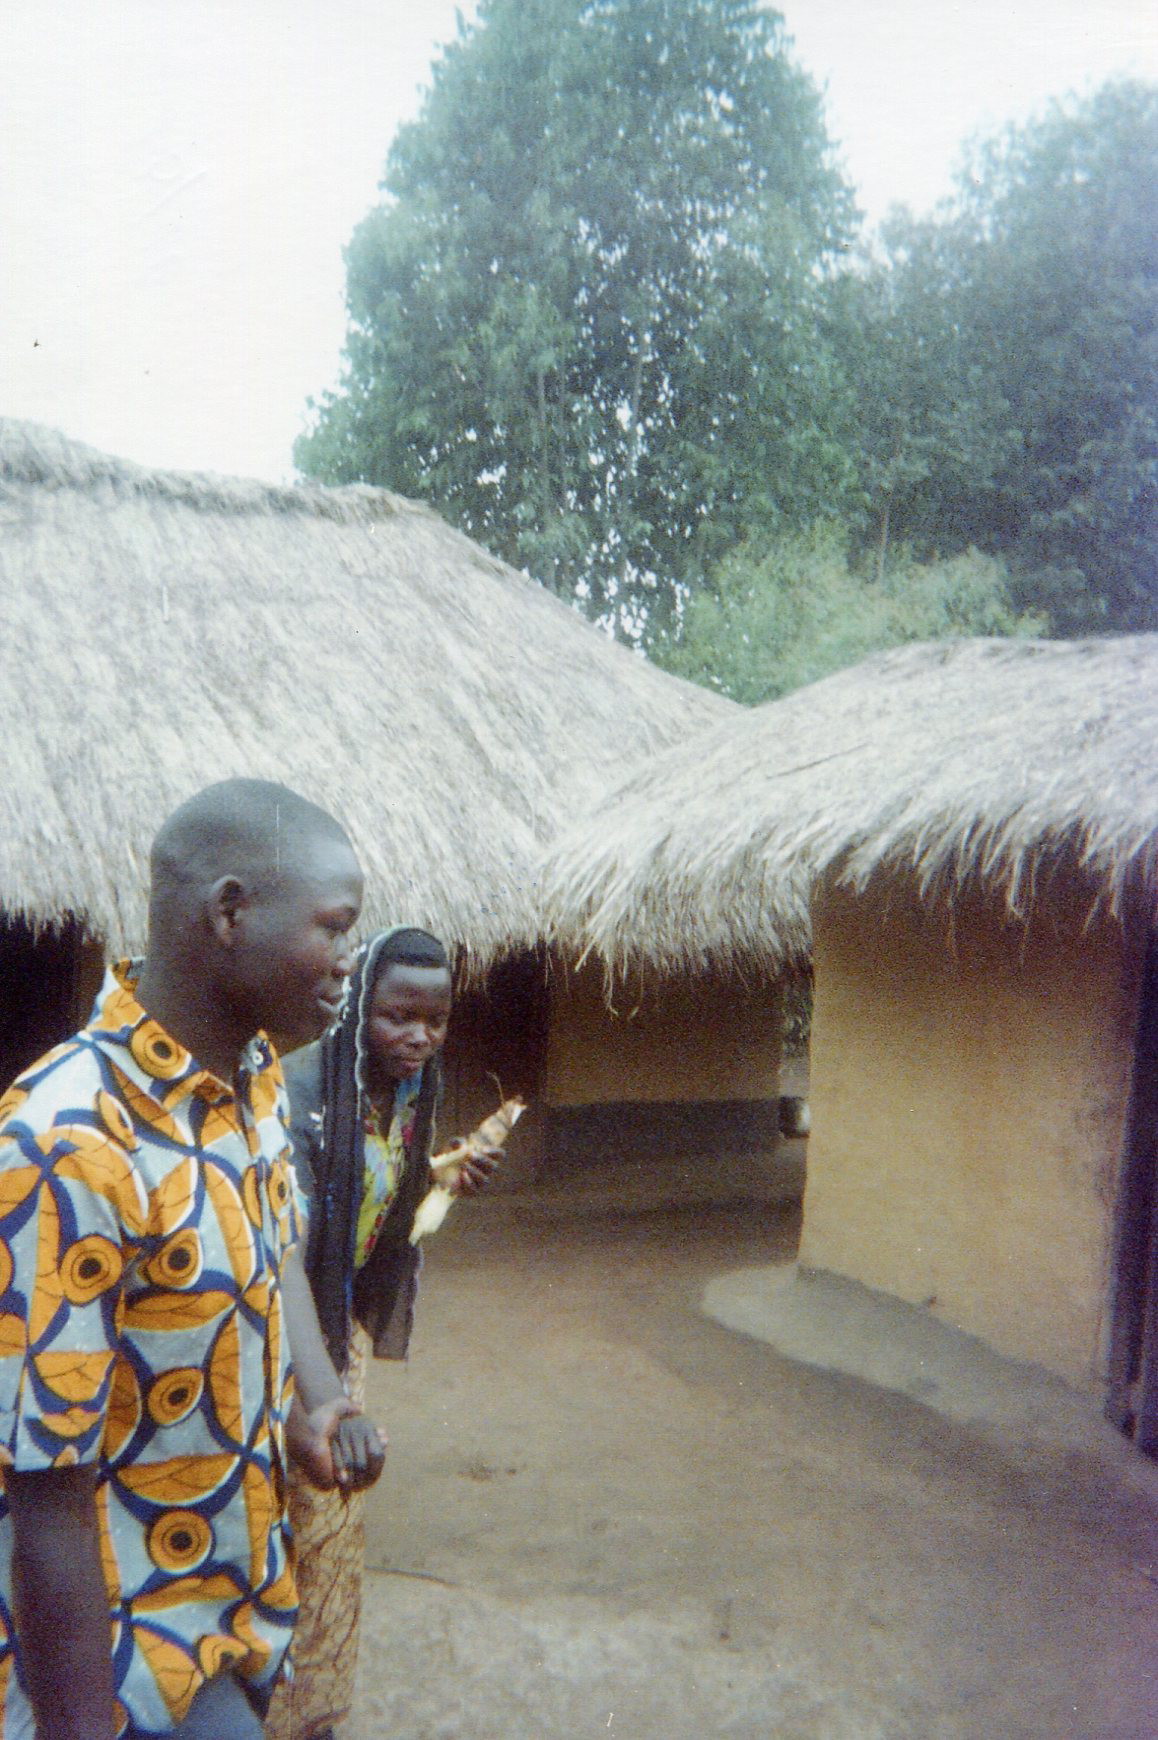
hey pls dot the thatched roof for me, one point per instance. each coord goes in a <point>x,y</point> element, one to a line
<point>162,630</point>
<point>986,761</point>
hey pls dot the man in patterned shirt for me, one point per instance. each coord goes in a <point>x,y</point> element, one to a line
<point>148,1292</point>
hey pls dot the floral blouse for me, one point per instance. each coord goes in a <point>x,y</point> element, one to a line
<point>385,1157</point>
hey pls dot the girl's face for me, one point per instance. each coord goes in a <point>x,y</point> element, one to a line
<point>408,1017</point>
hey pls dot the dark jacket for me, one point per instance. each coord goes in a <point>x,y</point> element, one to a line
<point>381,1294</point>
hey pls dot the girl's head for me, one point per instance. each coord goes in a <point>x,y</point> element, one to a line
<point>408,1006</point>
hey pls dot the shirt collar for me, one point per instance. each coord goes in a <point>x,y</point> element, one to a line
<point>149,1056</point>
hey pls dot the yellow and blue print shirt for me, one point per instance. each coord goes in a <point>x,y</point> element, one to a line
<point>145,1211</point>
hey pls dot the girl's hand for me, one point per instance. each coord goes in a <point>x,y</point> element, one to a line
<point>359,1452</point>
<point>466,1172</point>
<point>335,1445</point>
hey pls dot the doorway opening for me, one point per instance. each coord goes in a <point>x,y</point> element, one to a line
<point>1132,1403</point>
<point>40,984</point>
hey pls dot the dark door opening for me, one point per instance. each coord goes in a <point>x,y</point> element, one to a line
<point>38,991</point>
<point>498,1040</point>
<point>1132,1404</point>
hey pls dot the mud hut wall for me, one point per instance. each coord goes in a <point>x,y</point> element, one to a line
<point>969,1092</point>
<point>681,1070</point>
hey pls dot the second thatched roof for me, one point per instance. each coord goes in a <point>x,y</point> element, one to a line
<point>982,761</point>
<point>162,630</point>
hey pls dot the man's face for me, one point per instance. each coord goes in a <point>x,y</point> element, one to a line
<point>292,954</point>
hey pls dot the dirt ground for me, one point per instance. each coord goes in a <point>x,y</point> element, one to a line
<point>606,1514</point>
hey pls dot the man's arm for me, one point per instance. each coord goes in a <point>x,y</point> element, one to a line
<point>327,1434</point>
<point>62,1605</point>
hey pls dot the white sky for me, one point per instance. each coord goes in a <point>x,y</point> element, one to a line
<point>178,179</point>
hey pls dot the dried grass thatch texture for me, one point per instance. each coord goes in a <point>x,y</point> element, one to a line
<point>163,630</point>
<point>985,760</point>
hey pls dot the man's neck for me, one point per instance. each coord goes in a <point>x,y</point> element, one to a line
<point>179,1004</point>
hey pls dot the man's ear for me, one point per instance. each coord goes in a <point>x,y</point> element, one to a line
<point>227,903</point>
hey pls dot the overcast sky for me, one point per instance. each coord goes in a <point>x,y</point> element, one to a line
<point>179,177</point>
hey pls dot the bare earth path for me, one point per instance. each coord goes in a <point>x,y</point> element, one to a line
<point>605,1514</point>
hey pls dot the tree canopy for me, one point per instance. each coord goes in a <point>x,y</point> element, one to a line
<point>588,319</point>
<point>787,611</point>
<point>1005,357</point>
<point>606,319</point>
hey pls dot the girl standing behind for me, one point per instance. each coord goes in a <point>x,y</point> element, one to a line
<point>363,1106</point>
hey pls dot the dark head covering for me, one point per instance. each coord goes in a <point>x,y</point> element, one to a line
<point>329,1096</point>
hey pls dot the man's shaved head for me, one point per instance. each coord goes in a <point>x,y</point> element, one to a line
<point>254,893</point>
<point>250,828</point>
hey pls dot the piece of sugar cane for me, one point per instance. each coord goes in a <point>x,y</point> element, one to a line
<point>491,1133</point>
<point>431,1212</point>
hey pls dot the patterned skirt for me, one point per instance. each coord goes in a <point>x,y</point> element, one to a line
<point>329,1535</point>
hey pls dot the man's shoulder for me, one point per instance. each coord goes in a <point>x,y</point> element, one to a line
<point>66,1077</point>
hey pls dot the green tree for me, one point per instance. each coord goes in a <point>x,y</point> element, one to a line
<point>929,426</point>
<point>1009,381</point>
<point>785,612</point>
<point>585,321</point>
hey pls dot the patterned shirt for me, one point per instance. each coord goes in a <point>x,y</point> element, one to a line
<point>385,1156</point>
<point>145,1211</point>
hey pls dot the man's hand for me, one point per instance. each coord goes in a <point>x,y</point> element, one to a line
<point>335,1445</point>
<point>325,1433</point>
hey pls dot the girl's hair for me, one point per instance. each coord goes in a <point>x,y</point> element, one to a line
<point>410,948</point>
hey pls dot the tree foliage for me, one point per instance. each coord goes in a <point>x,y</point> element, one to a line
<point>1006,361</point>
<point>598,320</point>
<point>786,612</point>
<point>587,321</point>
<point>929,428</point>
